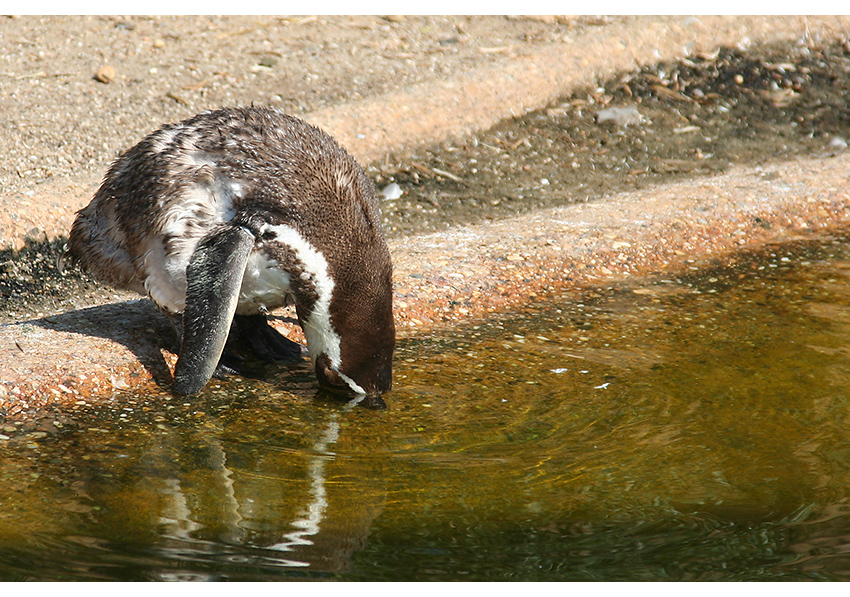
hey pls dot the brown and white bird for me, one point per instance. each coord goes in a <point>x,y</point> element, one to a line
<point>235,212</point>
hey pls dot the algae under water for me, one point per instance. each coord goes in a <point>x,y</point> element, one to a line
<point>692,428</point>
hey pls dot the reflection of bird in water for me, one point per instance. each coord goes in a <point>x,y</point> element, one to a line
<point>315,511</point>
<point>222,504</point>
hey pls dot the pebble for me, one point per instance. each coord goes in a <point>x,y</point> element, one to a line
<point>105,74</point>
<point>619,116</point>
<point>838,143</point>
<point>391,191</point>
<point>686,129</point>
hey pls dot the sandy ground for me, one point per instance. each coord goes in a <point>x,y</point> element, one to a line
<point>380,85</point>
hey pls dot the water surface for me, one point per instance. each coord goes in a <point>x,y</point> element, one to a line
<point>686,429</point>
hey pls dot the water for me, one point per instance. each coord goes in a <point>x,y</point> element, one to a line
<point>685,429</point>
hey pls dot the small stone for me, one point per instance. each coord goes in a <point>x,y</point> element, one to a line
<point>391,191</point>
<point>268,61</point>
<point>159,43</point>
<point>620,116</point>
<point>838,143</point>
<point>106,74</point>
<point>738,79</point>
<point>513,257</point>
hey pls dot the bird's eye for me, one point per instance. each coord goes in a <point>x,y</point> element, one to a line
<point>268,235</point>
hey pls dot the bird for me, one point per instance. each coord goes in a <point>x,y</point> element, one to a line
<point>230,214</point>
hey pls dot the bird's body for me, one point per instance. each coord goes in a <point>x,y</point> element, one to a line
<point>236,212</point>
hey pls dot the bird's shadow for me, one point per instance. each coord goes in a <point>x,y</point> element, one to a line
<point>143,330</point>
<point>137,325</point>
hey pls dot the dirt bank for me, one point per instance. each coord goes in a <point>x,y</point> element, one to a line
<point>435,79</point>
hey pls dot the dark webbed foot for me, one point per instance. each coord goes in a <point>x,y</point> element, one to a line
<point>229,365</point>
<point>267,344</point>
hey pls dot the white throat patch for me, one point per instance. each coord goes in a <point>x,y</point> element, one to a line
<point>320,334</point>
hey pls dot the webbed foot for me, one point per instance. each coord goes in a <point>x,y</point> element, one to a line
<point>267,344</point>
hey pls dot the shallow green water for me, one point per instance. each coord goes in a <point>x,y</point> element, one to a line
<point>694,428</point>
